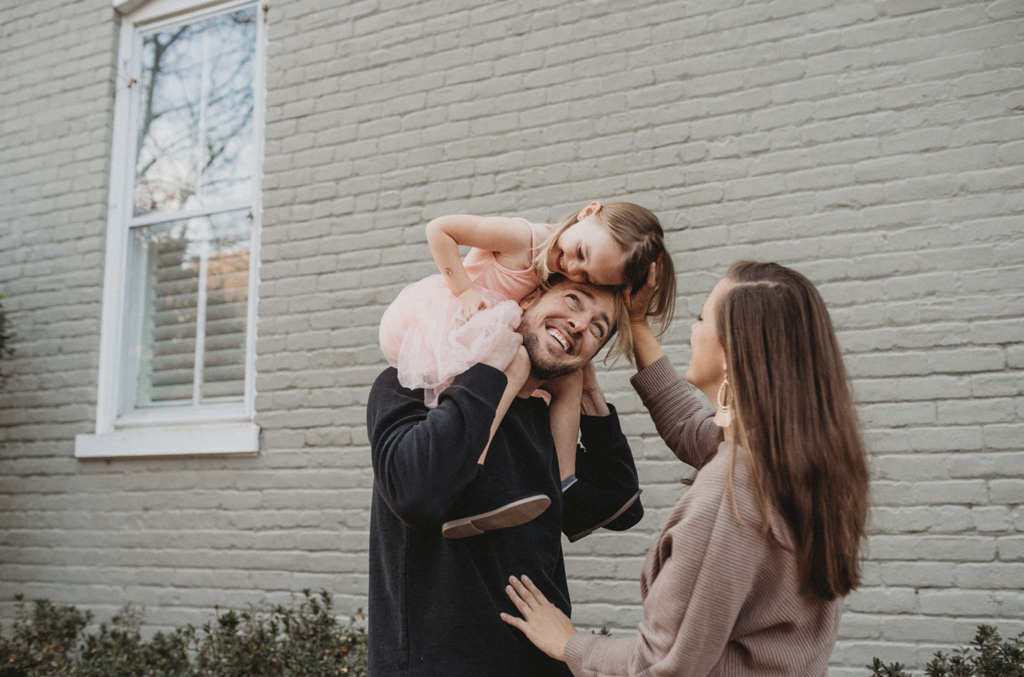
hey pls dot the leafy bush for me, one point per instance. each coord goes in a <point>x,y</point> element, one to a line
<point>988,656</point>
<point>307,641</point>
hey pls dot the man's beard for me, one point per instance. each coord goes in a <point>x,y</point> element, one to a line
<point>543,367</point>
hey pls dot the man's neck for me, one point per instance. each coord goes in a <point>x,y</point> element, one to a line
<point>532,383</point>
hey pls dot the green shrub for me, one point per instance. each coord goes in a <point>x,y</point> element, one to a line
<point>988,656</point>
<point>303,641</point>
<point>43,643</point>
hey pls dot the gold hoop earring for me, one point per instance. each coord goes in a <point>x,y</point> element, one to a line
<point>723,414</point>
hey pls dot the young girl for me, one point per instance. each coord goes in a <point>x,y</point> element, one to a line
<point>442,325</point>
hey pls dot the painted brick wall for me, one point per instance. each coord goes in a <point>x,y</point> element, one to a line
<point>876,146</point>
<point>56,105</point>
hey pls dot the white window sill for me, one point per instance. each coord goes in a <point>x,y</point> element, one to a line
<point>242,438</point>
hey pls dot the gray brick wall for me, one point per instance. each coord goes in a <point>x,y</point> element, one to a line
<point>877,146</point>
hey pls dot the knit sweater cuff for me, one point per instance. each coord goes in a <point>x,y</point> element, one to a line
<point>657,376</point>
<point>575,648</point>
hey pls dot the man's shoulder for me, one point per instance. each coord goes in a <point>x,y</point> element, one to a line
<point>387,395</point>
<point>387,390</point>
<point>386,384</point>
<point>386,380</point>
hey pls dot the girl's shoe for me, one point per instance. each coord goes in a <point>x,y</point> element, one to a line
<point>485,505</point>
<point>509,515</point>
<point>585,509</point>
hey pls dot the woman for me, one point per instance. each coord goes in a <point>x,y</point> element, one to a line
<point>748,574</point>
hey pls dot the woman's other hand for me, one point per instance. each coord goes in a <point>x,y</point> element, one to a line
<point>543,623</point>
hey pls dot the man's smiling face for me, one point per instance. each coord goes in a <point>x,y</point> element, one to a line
<point>564,328</point>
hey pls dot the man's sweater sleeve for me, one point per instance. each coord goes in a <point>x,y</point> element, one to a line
<point>707,565</point>
<point>423,458</point>
<point>605,461</point>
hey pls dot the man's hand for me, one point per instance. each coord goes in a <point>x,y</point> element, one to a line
<point>505,351</point>
<point>473,302</point>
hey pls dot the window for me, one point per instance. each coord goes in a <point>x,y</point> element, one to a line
<point>177,345</point>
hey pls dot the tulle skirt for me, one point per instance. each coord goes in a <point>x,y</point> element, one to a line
<point>424,335</point>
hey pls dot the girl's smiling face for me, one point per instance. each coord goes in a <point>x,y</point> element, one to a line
<point>587,252</point>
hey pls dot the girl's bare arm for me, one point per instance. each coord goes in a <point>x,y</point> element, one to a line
<point>491,233</point>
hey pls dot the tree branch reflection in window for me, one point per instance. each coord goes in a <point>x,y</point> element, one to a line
<point>195,144</point>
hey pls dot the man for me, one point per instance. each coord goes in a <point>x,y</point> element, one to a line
<point>434,602</point>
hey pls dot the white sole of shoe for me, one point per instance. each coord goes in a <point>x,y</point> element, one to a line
<point>509,515</point>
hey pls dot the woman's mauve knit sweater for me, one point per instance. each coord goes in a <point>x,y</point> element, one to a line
<point>720,596</point>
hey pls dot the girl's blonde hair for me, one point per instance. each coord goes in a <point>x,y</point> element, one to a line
<point>795,420</point>
<point>638,233</point>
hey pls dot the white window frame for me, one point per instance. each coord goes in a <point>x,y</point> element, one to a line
<point>179,431</point>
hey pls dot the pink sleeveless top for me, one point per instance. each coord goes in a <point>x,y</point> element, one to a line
<point>485,271</point>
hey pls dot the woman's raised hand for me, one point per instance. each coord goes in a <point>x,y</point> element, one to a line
<point>646,350</point>
<point>543,623</point>
<point>637,303</point>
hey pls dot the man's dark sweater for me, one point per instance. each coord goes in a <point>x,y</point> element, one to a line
<point>434,602</point>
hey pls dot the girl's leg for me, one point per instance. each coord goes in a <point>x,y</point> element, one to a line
<point>485,504</point>
<point>566,394</point>
<point>517,373</point>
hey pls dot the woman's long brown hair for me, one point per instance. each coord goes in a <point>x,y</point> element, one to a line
<point>794,416</point>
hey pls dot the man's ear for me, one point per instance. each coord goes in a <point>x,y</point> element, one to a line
<point>589,210</point>
<point>528,300</point>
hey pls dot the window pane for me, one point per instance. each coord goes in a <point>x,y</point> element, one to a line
<point>190,281</point>
<point>170,299</point>
<point>229,160</point>
<point>195,117</point>
<point>227,304</point>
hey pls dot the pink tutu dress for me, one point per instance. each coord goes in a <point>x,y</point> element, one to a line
<point>424,335</point>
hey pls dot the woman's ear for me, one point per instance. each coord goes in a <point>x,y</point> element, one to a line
<point>589,210</point>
